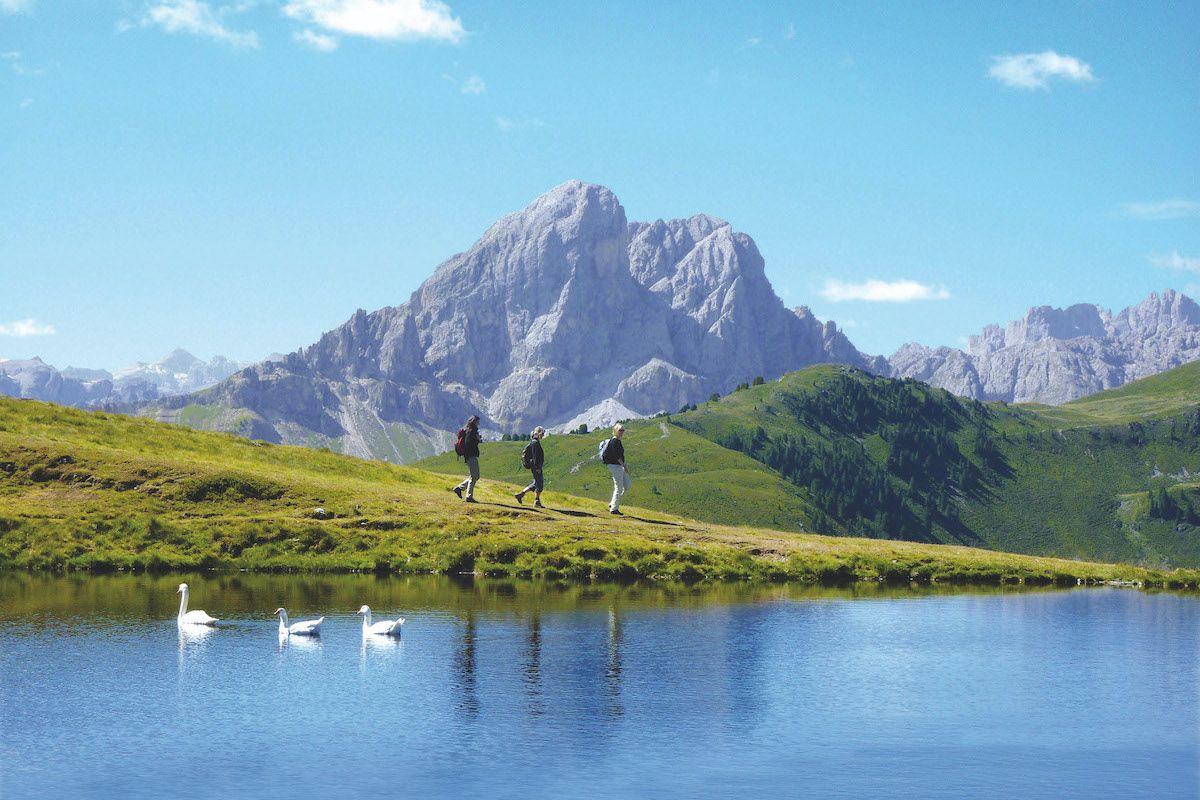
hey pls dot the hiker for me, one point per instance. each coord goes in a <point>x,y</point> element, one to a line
<point>532,459</point>
<point>467,446</point>
<point>612,453</point>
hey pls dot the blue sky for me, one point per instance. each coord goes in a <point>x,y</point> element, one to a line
<point>238,176</point>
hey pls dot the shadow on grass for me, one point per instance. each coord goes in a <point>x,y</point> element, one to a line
<point>656,521</point>
<point>571,512</point>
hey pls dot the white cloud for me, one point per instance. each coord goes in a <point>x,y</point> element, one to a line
<point>1174,208</point>
<point>317,41</point>
<point>876,291</point>
<point>197,18</point>
<point>789,31</point>
<point>26,102</point>
<point>25,327</point>
<point>1175,261</point>
<point>1034,70</point>
<point>407,20</point>
<point>473,85</point>
<point>15,6</point>
<point>754,41</point>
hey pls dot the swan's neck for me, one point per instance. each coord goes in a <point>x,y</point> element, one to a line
<point>183,603</point>
<point>366,619</point>
<point>283,622</point>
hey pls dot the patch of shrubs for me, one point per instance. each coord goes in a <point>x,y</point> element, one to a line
<point>230,486</point>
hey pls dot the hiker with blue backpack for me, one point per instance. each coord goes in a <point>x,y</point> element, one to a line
<point>466,445</point>
<point>532,459</point>
<point>612,454</point>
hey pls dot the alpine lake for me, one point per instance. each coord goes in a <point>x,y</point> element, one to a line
<point>509,689</point>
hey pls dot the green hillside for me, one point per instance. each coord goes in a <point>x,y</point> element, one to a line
<point>96,491</point>
<point>860,455</point>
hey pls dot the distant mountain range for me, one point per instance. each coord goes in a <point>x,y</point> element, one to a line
<point>177,373</point>
<point>1055,355</point>
<point>566,313</point>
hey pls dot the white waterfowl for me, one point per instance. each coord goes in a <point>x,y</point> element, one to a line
<point>196,617</point>
<point>307,627</point>
<point>387,627</point>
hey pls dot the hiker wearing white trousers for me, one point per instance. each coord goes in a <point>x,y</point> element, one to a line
<point>612,453</point>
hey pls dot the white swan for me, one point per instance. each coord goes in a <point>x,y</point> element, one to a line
<point>191,617</point>
<point>308,627</point>
<point>387,627</point>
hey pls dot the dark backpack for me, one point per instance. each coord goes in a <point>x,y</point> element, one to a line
<point>460,444</point>
<point>527,461</point>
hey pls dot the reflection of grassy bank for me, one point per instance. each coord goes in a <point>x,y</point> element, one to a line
<point>103,492</point>
<point>255,595</point>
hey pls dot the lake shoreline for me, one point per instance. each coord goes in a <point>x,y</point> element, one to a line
<point>710,557</point>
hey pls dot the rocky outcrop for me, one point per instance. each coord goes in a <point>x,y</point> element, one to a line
<point>1055,355</point>
<point>177,373</point>
<point>561,313</point>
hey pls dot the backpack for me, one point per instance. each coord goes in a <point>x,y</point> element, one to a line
<point>603,447</point>
<point>527,457</point>
<point>460,444</point>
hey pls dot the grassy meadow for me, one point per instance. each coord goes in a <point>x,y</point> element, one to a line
<point>102,492</point>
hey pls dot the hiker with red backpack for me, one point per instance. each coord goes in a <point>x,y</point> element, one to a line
<point>466,445</point>
<point>532,459</point>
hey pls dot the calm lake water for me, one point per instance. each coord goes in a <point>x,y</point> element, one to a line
<point>525,691</point>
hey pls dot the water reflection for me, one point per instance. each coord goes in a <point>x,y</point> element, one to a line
<point>532,675</point>
<point>301,644</point>
<point>464,662</point>
<point>612,674</point>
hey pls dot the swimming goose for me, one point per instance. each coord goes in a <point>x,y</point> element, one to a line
<point>308,627</point>
<point>387,627</point>
<point>196,617</point>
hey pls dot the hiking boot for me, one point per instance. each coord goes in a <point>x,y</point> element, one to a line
<point>470,500</point>
<point>538,504</point>
<point>520,496</point>
<point>616,511</point>
<point>458,491</point>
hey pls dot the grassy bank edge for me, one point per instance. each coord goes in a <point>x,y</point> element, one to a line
<point>488,551</point>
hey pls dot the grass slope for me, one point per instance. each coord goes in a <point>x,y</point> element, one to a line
<point>101,491</point>
<point>851,454</point>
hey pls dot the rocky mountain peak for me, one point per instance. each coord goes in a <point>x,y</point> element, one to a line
<point>1053,355</point>
<point>179,360</point>
<point>562,311</point>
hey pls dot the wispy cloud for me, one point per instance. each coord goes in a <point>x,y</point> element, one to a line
<point>876,291</point>
<point>15,6</point>
<point>25,327</point>
<point>16,62</point>
<point>317,41</point>
<point>197,18</point>
<point>1175,261</point>
<point>754,41</point>
<point>1035,70</point>
<point>519,124</point>
<point>1174,208</point>
<point>789,31</point>
<point>404,20</point>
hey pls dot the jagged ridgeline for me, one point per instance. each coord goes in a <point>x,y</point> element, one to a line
<point>833,449</point>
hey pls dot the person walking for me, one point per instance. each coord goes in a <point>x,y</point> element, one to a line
<point>612,453</point>
<point>532,458</point>
<point>467,446</point>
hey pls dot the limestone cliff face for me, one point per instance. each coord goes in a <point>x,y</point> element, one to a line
<point>1055,355</point>
<point>560,313</point>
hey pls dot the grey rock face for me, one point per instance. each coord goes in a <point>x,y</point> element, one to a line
<point>1056,355</point>
<point>177,373</point>
<point>562,312</point>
